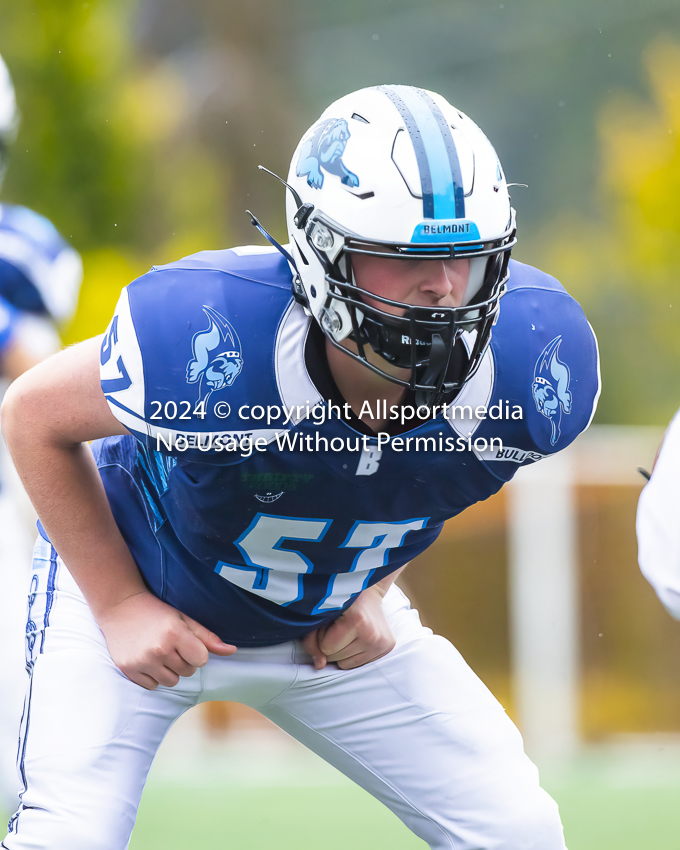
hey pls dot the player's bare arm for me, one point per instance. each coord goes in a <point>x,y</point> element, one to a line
<point>48,415</point>
<point>150,641</point>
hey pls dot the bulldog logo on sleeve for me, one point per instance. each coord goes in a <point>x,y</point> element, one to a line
<point>217,360</point>
<point>550,387</point>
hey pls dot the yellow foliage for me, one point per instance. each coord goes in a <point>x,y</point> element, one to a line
<point>642,167</point>
<point>641,177</point>
<point>106,272</point>
<point>663,69</point>
<point>153,105</point>
<point>623,266</point>
<point>639,187</point>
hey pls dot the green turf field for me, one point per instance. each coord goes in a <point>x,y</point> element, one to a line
<point>610,799</point>
<point>620,797</point>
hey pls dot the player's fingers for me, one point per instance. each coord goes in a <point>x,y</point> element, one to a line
<point>354,662</point>
<point>353,648</point>
<point>166,677</point>
<point>141,679</point>
<point>337,637</point>
<point>360,651</point>
<point>311,644</point>
<point>192,651</point>
<point>180,665</point>
<point>360,659</point>
<point>209,639</point>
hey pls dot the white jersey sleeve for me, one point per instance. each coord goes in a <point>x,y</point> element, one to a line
<point>658,523</point>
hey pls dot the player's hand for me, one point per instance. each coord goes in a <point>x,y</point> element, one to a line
<point>154,643</point>
<point>358,636</point>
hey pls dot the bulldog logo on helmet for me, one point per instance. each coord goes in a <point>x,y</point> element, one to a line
<point>323,152</point>
<point>217,354</point>
<point>550,387</point>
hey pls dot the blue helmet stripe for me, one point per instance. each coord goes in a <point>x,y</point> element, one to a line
<point>418,147</point>
<point>456,176</point>
<point>440,174</point>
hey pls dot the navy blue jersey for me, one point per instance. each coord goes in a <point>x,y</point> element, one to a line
<point>248,500</point>
<point>39,272</point>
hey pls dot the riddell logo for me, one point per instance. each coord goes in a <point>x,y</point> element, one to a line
<point>406,340</point>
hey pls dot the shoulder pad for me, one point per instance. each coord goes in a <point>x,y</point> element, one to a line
<point>255,262</point>
<point>39,271</point>
<point>195,345</point>
<point>541,382</point>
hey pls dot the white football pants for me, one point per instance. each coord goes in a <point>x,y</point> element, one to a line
<point>17,532</point>
<point>416,728</point>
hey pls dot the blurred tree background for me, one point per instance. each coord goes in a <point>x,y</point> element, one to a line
<point>144,122</point>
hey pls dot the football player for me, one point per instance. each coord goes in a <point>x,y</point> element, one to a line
<point>39,280</point>
<point>657,527</point>
<point>280,430</point>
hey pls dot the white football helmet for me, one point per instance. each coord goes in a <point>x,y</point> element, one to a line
<point>9,116</point>
<point>397,169</point>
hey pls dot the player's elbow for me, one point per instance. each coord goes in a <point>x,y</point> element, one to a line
<point>10,411</point>
<point>19,416</point>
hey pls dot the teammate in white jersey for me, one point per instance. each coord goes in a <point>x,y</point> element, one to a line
<point>280,431</point>
<point>39,279</point>
<point>658,529</point>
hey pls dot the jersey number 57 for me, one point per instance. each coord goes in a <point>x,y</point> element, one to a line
<point>278,574</point>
